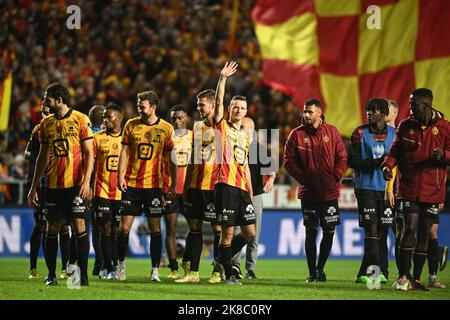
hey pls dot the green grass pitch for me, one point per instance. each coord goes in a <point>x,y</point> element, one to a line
<point>277,279</point>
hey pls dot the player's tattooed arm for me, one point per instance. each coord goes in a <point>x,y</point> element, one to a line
<point>228,70</point>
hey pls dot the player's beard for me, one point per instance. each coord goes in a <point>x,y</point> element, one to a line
<point>52,110</point>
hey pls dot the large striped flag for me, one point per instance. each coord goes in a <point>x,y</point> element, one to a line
<point>325,49</point>
<point>5,101</point>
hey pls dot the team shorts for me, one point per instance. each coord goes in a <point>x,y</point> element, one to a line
<point>325,213</point>
<point>233,206</point>
<point>65,204</point>
<point>136,199</point>
<point>202,205</point>
<point>373,211</point>
<point>107,210</point>
<point>429,210</point>
<point>174,205</point>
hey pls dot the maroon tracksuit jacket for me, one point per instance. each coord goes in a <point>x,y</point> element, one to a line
<point>316,158</point>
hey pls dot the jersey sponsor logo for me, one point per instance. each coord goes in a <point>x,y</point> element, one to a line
<point>112,163</point>
<point>145,151</point>
<point>182,159</point>
<point>156,202</point>
<point>331,210</point>
<point>368,210</point>
<point>78,206</point>
<point>378,151</point>
<point>388,212</point>
<point>61,147</point>
<point>239,154</point>
<point>433,210</point>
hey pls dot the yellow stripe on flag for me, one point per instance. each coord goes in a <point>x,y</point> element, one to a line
<point>393,44</point>
<point>342,97</point>
<point>333,8</point>
<point>5,102</point>
<point>294,40</point>
<point>435,75</point>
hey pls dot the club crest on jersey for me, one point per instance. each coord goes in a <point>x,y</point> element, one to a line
<point>435,131</point>
<point>326,138</point>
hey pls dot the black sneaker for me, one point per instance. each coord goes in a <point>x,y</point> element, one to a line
<point>321,277</point>
<point>236,271</point>
<point>84,281</point>
<point>418,286</point>
<point>50,281</point>
<point>443,256</point>
<point>233,280</point>
<point>250,275</point>
<point>312,278</point>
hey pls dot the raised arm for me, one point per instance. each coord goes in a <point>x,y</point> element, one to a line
<point>228,70</point>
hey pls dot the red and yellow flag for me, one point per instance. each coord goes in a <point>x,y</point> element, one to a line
<point>325,49</point>
<point>5,101</point>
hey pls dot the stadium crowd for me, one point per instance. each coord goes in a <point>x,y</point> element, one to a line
<point>123,48</point>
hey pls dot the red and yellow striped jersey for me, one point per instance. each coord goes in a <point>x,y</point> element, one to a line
<point>107,148</point>
<point>183,147</point>
<point>149,145</point>
<point>64,137</point>
<point>204,167</point>
<point>232,155</point>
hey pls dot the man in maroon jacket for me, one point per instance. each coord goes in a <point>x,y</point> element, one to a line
<point>421,150</point>
<point>315,156</point>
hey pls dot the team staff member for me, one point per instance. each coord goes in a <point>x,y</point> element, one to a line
<point>107,146</point>
<point>421,152</point>
<point>66,147</point>
<point>146,141</point>
<point>315,156</point>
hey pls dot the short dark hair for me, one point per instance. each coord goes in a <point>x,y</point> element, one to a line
<point>96,115</point>
<point>113,107</point>
<point>178,107</point>
<point>241,98</point>
<point>378,104</point>
<point>56,90</point>
<point>423,92</point>
<point>209,94</point>
<point>313,101</point>
<point>150,96</point>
